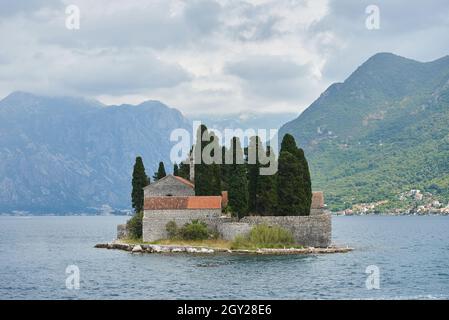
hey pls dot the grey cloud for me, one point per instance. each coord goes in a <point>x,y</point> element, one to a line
<point>272,77</point>
<point>139,26</point>
<point>397,16</point>
<point>117,48</point>
<point>413,29</point>
<point>203,15</point>
<point>262,68</point>
<point>10,8</point>
<point>126,74</point>
<point>256,22</point>
<point>90,74</point>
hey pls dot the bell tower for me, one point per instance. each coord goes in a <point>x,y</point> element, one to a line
<point>192,167</point>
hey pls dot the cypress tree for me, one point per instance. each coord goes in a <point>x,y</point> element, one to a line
<point>160,172</point>
<point>184,171</point>
<point>201,175</point>
<point>238,187</point>
<point>214,170</point>
<point>302,178</point>
<point>215,182</point>
<point>266,195</point>
<point>253,165</point>
<point>224,169</point>
<point>289,186</point>
<point>306,185</point>
<point>139,181</point>
<point>289,144</point>
<point>175,170</point>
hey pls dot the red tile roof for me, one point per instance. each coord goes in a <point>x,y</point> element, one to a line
<point>165,203</point>
<point>204,202</point>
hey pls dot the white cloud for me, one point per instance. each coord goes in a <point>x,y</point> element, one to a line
<point>206,56</point>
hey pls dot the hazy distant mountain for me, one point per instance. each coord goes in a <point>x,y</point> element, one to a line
<point>382,131</point>
<point>245,120</point>
<point>62,154</point>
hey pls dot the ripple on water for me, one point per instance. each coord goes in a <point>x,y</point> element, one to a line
<point>411,253</point>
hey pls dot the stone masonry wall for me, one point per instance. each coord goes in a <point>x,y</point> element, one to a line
<point>309,231</point>
<point>155,221</point>
<point>230,230</point>
<point>314,230</point>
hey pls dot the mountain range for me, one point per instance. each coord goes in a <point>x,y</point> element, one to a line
<point>65,154</point>
<point>383,131</point>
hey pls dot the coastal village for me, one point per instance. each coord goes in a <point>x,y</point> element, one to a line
<point>412,202</point>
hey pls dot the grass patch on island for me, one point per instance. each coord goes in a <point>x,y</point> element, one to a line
<point>210,243</point>
<point>195,234</point>
<point>265,236</point>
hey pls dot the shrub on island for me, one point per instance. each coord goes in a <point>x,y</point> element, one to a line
<point>264,236</point>
<point>194,230</point>
<point>134,226</point>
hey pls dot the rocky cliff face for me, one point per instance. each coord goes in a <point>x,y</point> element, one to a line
<point>69,154</point>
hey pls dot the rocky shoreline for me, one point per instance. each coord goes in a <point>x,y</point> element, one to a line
<point>155,248</point>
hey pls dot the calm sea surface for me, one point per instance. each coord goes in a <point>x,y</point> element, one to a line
<point>412,254</point>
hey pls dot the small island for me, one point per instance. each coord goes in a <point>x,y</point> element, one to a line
<point>258,214</point>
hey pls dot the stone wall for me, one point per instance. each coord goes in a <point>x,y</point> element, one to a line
<point>309,231</point>
<point>155,221</point>
<point>317,212</point>
<point>230,230</point>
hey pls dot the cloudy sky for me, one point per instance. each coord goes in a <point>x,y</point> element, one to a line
<point>207,56</point>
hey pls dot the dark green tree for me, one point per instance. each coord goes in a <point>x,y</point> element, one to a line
<point>175,170</point>
<point>266,195</point>
<point>207,159</point>
<point>253,165</point>
<point>160,172</point>
<point>134,226</point>
<point>139,181</point>
<point>215,182</point>
<point>238,185</point>
<point>289,144</point>
<point>224,169</point>
<point>288,185</point>
<point>202,172</point>
<point>213,150</point>
<point>306,183</point>
<point>302,180</point>
<point>184,170</point>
